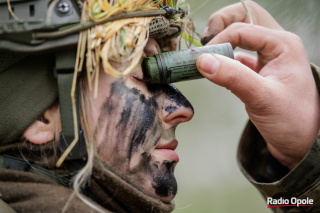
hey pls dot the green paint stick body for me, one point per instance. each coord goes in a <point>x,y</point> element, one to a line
<point>170,67</point>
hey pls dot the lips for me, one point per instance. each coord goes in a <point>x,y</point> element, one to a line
<point>166,150</point>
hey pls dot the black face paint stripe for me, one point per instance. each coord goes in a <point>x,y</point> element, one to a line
<point>170,109</point>
<point>145,115</point>
<point>164,182</point>
<point>147,118</point>
<point>118,92</point>
<point>141,115</point>
<point>176,96</point>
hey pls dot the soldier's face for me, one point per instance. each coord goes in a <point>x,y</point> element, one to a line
<point>134,126</point>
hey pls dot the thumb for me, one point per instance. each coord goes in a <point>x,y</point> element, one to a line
<point>245,83</point>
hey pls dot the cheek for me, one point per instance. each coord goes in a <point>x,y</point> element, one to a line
<point>129,128</point>
<point>126,123</point>
<point>115,123</point>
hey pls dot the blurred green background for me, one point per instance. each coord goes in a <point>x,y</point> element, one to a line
<point>208,176</point>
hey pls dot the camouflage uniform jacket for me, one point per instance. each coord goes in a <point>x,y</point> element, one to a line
<point>276,181</point>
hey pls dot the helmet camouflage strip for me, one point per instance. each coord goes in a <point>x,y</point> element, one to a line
<point>112,35</point>
<point>120,41</point>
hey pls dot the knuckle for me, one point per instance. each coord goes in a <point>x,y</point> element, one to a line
<point>212,18</point>
<point>251,4</point>
<point>254,8</point>
<point>293,43</point>
<point>291,38</point>
<point>295,38</point>
<point>235,28</point>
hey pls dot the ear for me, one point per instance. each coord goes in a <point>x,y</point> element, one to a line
<point>44,130</point>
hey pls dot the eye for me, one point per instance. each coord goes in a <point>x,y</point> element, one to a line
<point>138,76</point>
<point>167,45</point>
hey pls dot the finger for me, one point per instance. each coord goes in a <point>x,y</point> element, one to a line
<point>231,74</point>
<point>223,18</point>
<point>246,59</point>
<point>267,42</point>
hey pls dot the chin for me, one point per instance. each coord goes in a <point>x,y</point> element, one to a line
<point>155,174</point>
<point>166,199</point>
<point>163,184</point>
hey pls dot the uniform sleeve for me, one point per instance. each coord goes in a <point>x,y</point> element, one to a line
<point>274,180</point>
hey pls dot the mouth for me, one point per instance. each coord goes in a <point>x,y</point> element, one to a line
<point>166,150</point>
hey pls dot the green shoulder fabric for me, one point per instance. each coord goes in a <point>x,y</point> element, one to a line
<point>28,192</point>
<point>274,180</point>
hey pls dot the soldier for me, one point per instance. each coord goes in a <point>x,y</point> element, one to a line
<point>124,158</point>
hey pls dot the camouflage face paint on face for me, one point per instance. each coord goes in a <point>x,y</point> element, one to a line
<point>130,120</point>
<point>164,181</point>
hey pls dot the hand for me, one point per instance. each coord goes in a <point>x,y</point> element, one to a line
<point>221,19</point>
<point>277,88</point>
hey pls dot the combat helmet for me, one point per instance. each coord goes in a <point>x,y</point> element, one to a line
<point>44,45</point>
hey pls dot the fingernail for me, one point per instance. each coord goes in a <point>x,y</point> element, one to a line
<point>209,64</point>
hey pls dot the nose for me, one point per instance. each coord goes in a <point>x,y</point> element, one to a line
<point>176,108</point>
